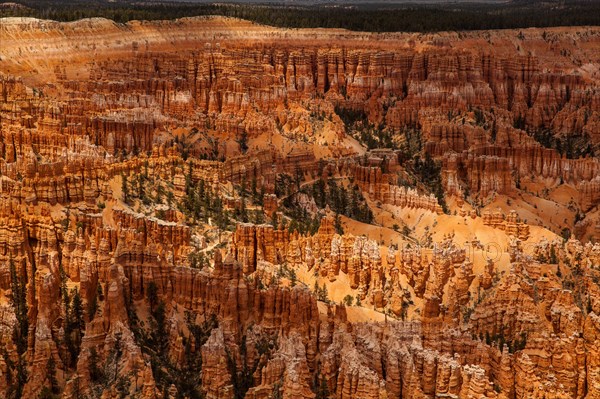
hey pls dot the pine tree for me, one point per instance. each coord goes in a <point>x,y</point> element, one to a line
<point>343,200</point>
<point>117,350</point>
<point>553,257</point>
<point>243,142</point>
<point>354,203</point>
<point>96,372</point>
<point>146,175</point>
<point>170,198</point>
<point>274,220</point>
<point>321,192</point>
<point>293,226</point>
<point>92,307</point>
<point>159,334</point>
<point>277,392</point>
<point>141,187</point>
<point>322,389</point>
<point>293,277</point>
<point>298,176</point>
<point>51,375</point>
<point>348,300</point>
<point>73,325</point>
<point>261,195</point>
<point>334,198</point>
<point>324,295</point>
<point>77,311</point>
<point>189,181</point>
<point>16,391</point>
<point>124,188</point>
<point>337,224</point>
<point>243,211</point>
<point>19,302</point>
<point>152,295</point>
<point>253,187</point>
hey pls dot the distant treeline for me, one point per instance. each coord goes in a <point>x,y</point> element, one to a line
<point>373,18</point>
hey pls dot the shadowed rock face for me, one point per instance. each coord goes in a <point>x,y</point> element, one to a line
<point>168,220</point>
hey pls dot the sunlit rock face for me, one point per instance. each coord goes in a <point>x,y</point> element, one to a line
<point>212,208</point>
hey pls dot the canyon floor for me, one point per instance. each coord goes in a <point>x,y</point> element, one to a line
<point>211,208</point>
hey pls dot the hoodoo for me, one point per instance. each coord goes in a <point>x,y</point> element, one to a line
<point>212,208</point>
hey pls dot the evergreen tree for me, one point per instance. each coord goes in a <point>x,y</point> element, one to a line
<point>16,391</point>
<point>253,187</point>
<point>298,176</point>
<point>159,336</point>
<point>243,213</point>
<point>354,208</point>
<point>243,142</point>
<point>322,389</point>
<point>337,224</point>
<point>19,302</point>
<point>77,311</point>
<point>152,295</point>
<point>160,192</point>
<point>348,300</point>
<point>51,375</point>
<point>124,188</point>
<point>189,181</point>
<point>293,277</point>
<point>141,181</point>
<point>323,294</point>
<point>170,198</point>
<point>73,325</point>
<point>92,307</point>
<point>319,193</point>
<point>96,372</point>
<point>553,257</point>
<point>117,352</point>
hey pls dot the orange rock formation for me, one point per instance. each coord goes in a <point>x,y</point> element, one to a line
<point>138,162</point>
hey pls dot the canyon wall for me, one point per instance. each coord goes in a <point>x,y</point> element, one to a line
<point>138,162</point>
